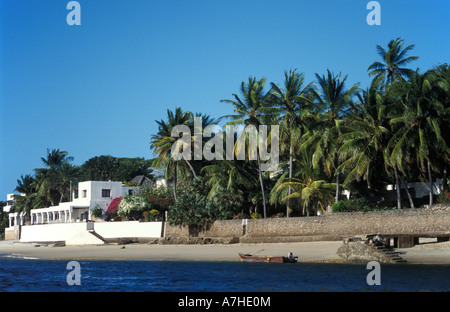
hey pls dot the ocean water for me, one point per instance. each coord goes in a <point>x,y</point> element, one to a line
<point>35,275</point>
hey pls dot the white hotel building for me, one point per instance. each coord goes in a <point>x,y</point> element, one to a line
<point>88,195</point>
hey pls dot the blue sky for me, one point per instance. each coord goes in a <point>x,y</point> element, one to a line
<point>96,89</point>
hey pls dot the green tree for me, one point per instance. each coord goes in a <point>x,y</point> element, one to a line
<point>393,60</point>
<point>392,71</point>
<point>420,138</point>
<point>333,105</point>
<point>252,108</point>
<point>162,142</point>
<point>53,182</point>
<point>292,102</point>
<point>314,192</point>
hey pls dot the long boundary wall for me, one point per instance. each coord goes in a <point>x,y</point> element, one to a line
<point>332,227</point>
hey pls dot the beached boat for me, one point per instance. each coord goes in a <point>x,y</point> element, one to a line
<point>270,259</point>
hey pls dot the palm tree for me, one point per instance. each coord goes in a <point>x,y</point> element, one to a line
<point>333,104</point>
<point>365,136</point>
<point>314,193</point>
<point>29,198</point>
<point>67,174</point>
<point>55,158</point>
<point>393,60</point>
<point>228,175</point>
<point>392,70</point>
<point>53,181</point>
<point>291,101</point>
<point>162,142</point>
<point>420,138</point>
<point>252,109</point>
<point>199,143</point>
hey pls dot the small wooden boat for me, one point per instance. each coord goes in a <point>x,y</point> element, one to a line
<point>270,259</point>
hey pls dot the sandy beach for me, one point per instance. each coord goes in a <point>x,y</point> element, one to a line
<point>322,251</point>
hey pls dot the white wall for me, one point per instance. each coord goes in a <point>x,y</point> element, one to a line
<point>77,234</point>
<point>51,232</point>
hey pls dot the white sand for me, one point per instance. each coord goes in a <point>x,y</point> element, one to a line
<point>430,253</point>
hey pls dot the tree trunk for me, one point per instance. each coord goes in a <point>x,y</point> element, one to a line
<point>175,184</point>
<point>291,151</point>
<point>262,186</point>
<point>411,202</point>
<point>190,166</point>
<point>431,182</point>
<point>337,188</point>
<point>444,185</point>
<point>397,186</point>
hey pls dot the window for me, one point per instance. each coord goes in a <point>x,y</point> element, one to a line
<point>84,193</point>
<point>106,193</point>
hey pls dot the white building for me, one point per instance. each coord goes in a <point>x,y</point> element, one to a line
<point>160,176</point>
<point>10,201</point>
<point>14,218</point>
<point>87,196</point>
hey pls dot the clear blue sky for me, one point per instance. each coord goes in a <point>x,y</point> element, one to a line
<point>96,89</point>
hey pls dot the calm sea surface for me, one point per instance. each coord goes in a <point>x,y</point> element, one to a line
<point>18,274</point>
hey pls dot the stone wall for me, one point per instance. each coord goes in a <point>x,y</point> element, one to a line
<point>12,233</point>
<point>334,226</point>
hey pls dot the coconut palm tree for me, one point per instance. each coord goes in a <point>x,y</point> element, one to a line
<point>420,137</point>
<point>55,158</point>
<point>365,136</point>
<point>162,142</point>
<point>333,104</point>
<point>292,101</point>
<point>29,197</point>
<point>252,108</point>
<point>391,68</point>
<point>314,192</point>
<point>53,181</point>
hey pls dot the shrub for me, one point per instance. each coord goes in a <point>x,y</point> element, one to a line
<point>113,206</point>
<point>151,215</point>
<point>443,197</point>
<point>158,198</point>
<point>194,208</point>
<point>256,215</point>
<point>240,215</point>
<point>97,212</point>
<point>132,207</point>
<point>358,204</point>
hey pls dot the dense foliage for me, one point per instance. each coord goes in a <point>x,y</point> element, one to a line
<point>193,206</point>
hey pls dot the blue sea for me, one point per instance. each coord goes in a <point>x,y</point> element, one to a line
<point>36,275</point>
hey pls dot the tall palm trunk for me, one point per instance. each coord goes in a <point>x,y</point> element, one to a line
<point>337,188</point>
<point>291,151</point>
<point>411,202</point>
<point>397,186</point>
<point>175,184</point>
<point>262,186</point>
<point>190,166</point>
<point>431,182</point>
